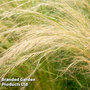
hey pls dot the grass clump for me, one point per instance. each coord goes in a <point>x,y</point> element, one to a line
<point>48,40</point>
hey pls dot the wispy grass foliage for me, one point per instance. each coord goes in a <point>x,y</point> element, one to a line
<point>48,40</point>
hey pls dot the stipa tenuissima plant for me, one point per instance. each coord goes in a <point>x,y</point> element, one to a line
<point>48,40</point>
